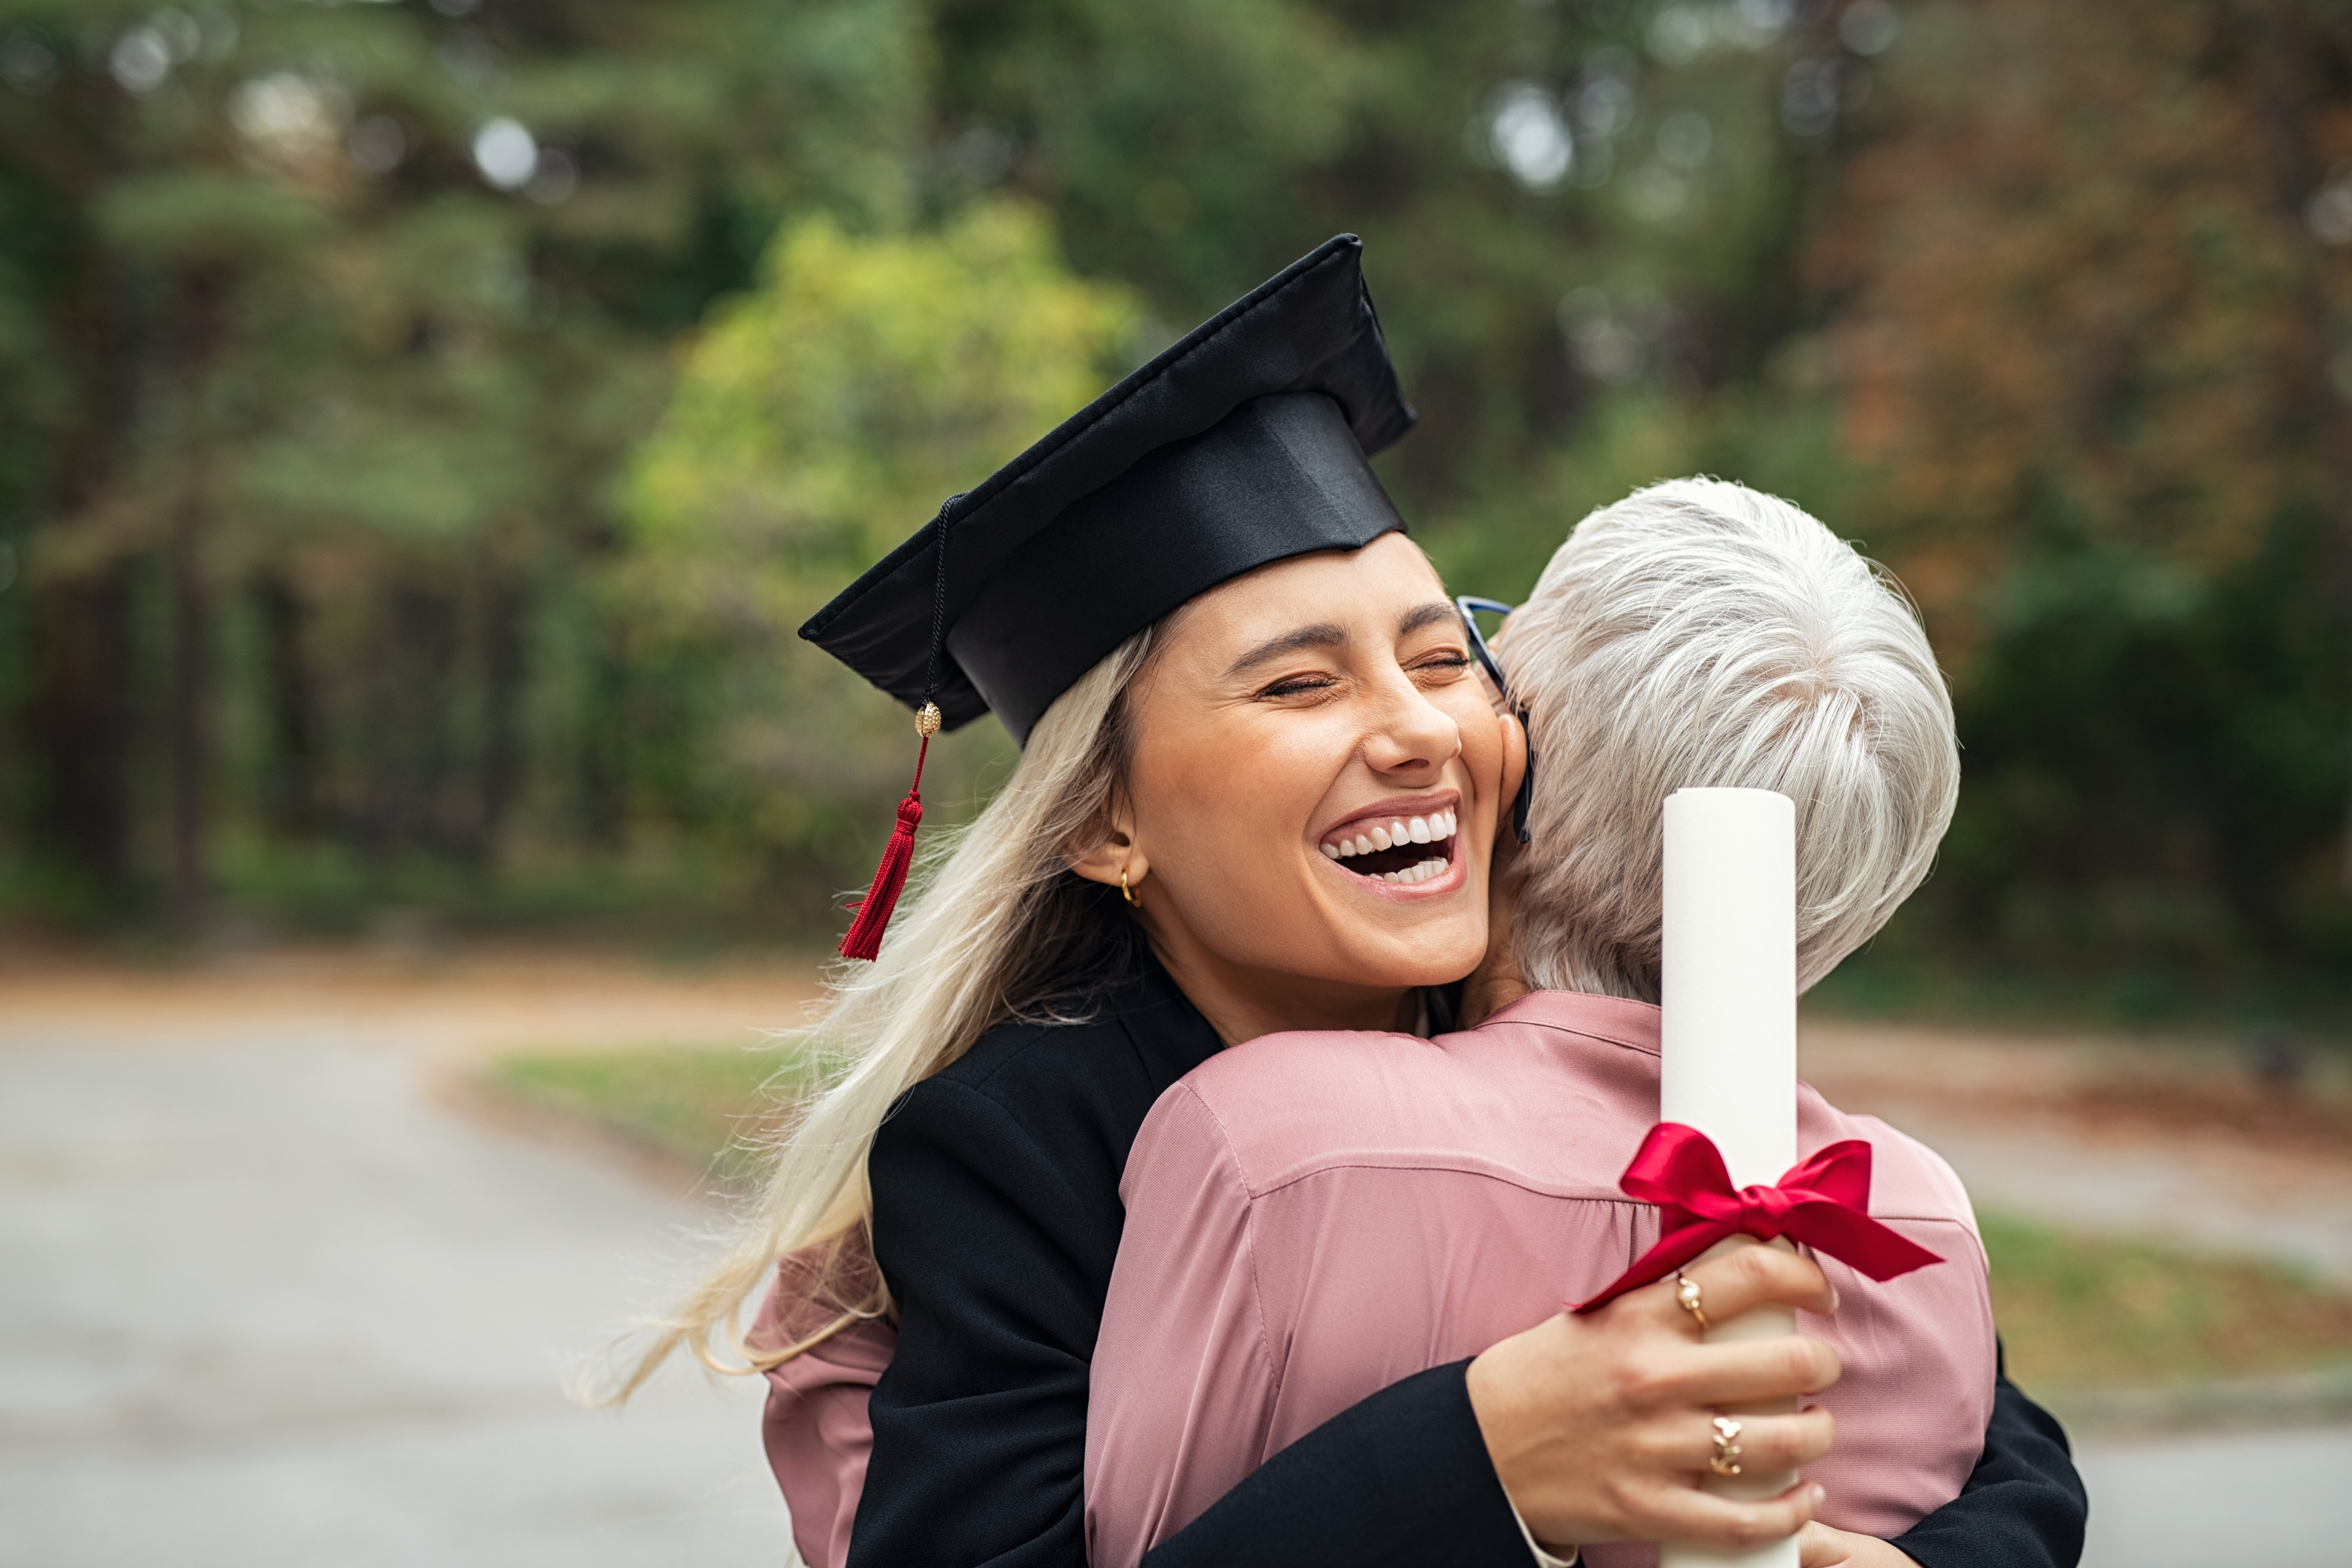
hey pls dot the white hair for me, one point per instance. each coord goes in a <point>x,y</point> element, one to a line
<point>1699,634</point>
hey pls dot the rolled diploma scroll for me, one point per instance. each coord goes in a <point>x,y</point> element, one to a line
<point>1729,1041</point>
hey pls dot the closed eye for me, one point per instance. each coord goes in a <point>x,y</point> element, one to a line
<point>1451,661</point>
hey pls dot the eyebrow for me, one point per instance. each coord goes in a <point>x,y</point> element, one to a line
<point>1322,635</point>
<point>1325,634</point>
<point>1427,615</point>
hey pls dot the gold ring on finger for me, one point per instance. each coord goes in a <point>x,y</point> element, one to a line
<point>1726,1458</point>
<point>1686,1293</point>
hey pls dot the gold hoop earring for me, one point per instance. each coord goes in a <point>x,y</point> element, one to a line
<point>1126,892</point>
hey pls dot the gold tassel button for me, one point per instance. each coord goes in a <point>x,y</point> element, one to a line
<point>927,721</point>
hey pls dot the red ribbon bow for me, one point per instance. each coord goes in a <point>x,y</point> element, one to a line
<point>1823,1202</point>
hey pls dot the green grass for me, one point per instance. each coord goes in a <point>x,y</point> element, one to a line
<point>698,1105</point>
<point>2084,1312</point>
<point>2076,1312</point>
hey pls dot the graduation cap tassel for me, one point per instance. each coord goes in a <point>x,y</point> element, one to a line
<point>873,911</point>
<point>881,901</point>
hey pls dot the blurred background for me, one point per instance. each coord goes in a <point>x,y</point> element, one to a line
<point>424,423</point>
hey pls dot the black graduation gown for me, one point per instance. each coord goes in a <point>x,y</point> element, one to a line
<point>996,1220</point>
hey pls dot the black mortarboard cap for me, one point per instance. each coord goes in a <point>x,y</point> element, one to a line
<point>1242,445</point>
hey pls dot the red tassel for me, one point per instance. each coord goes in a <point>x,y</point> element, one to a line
<point>881,901</point>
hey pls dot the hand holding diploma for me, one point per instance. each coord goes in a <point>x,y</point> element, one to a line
<point>1597,1419</point>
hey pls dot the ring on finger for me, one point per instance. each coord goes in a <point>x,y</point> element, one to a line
<point>1724,1461</point>
<point>1686,1293</point>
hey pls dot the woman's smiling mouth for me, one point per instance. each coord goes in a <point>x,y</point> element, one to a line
<point>1403,849</point>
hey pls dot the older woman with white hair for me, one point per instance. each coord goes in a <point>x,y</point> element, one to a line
<point>1314,1216</point>
<point>1195,607</point>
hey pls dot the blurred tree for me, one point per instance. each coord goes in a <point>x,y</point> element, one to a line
<point>817,423</point>
<point>1560,200</point>
<point>2091,307</point>
<point>446,241</point>
<point>341,319</point>
<point>1529,178</point>
<point>326,331</point>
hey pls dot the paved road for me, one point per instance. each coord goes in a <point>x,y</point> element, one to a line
<point>261,1305</point>
<point>2276,1499</point>
<point>2214,1195</point>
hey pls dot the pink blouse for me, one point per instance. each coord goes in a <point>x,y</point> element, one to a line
<point>1312,1217</point>
<point>815,1427</point>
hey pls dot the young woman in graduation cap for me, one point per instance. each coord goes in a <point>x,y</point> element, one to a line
<point>1195,607</point>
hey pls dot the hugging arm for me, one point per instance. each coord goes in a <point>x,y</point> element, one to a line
<point>2023,1506</point>
<point>1001,1265</point>
<point>1399,1477</point>
<point>1000,1256</point>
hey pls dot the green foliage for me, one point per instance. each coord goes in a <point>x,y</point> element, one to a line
<point>2121,711</point>
<point>816,423</point>
<point>2084,1312</point>
<point>477,605</point>
<point>277,331</point>
<point>1195,150</point>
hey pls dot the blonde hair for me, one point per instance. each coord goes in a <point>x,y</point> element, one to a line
<point>999,926</point>
<point>1698,633</point>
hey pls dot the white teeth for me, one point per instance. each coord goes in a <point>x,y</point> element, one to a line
<point>1434,828</point>
<point>1419,871</point>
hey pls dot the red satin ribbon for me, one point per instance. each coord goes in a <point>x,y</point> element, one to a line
<point>1823,1202</point>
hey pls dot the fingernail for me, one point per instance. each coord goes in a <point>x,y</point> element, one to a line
<point>1819,1494</point>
